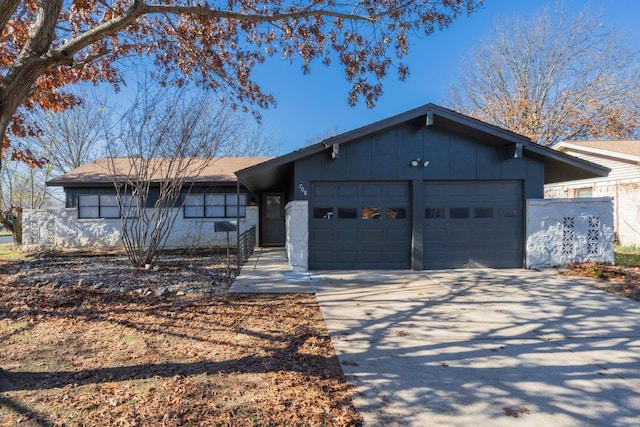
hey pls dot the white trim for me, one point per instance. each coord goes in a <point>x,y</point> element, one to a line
<point>600,151</point>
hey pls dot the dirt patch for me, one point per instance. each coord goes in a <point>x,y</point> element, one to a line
<point>75,354</point>
<point>619,280</point>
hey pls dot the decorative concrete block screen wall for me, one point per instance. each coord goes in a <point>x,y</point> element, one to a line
<point>562,231</point>
<point>61,230</point>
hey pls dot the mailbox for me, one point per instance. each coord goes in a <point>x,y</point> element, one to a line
<point>224,226</point>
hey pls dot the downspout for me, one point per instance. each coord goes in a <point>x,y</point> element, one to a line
<point>616,211</point>
<point>238,224</point>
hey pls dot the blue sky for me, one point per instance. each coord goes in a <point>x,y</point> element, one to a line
<point>314,106</point>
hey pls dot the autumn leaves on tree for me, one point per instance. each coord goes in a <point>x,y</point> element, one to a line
<point>48,45</point>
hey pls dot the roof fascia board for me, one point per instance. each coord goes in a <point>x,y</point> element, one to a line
<point>478,125</point>
<point>565,158</point>
<point>600,151</point>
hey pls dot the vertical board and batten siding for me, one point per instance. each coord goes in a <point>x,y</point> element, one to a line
<point>386,157</point>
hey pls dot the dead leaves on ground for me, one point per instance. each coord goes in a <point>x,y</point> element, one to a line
<point>515,412</point>
<point>75,357</point>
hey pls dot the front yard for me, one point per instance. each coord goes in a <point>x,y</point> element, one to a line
<point>90,341</point>
<point>85,344</point>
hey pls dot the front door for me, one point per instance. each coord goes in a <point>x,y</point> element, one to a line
<point>272,219</point>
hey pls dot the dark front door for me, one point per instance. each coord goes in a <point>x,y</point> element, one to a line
<point>273,219</point>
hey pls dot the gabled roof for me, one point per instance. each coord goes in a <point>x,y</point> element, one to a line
<point>558,166</point>
<point>217,170</point>
<point>621,149</point>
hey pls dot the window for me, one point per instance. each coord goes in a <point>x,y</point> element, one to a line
<point>371,213</point>
<point>430,213</point>
<point>457,213</point>
<point>95,206</point>
<point>396,213</point>
<point>273,208</point>
<point>508,212</point>
<point>215,206</point>
<point>584,192</point>
<point>323,213</point>
<point>348,213</point>
<point>483,212</point>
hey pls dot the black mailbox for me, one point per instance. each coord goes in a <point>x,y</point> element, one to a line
<point>224,226</point>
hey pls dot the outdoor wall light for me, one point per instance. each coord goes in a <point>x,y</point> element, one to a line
<point>418,162</point>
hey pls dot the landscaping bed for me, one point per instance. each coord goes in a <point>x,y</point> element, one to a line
<point>89,341</point>
<point>616,279</point>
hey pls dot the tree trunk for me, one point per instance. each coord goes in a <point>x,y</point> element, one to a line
<point>30,63</point>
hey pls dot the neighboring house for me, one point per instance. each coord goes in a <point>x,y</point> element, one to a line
<point>91,218</point>
<point>426,189</point>
<point>623,182</point>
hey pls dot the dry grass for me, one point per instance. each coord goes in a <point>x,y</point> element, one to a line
<point>75,356</point>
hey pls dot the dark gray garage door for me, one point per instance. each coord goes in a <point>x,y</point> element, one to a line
<point>473,224</point>
<point>359,225</point>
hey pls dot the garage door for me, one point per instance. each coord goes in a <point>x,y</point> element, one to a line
<point>472,224</point>
<point>359,225</point>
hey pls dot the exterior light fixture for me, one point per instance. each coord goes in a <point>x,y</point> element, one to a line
<point>418,162</point>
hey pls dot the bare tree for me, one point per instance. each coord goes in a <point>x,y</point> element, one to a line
<point>167,140</point>
<point>75,136</point>
<point>553,78</point>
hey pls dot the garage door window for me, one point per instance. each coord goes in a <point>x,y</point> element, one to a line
<point>431,213</point>
<point>323,213</point>
<point>508,212</point>
<point>396,213</point>
<point>483,212</point>
<point>348,213</point>
<point>458,213</point>
<point>371,213</point>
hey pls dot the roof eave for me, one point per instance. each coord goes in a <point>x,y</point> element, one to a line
<point>561,167</point>
<point>598,151</point>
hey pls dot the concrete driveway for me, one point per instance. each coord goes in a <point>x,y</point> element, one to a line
<point>483,348</point>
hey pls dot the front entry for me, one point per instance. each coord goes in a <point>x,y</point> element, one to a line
<point>272,219</point>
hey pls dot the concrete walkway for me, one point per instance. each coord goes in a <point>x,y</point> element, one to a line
<point>473,347</point>
<point>267,271</point>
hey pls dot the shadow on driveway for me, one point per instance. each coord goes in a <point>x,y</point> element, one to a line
<point>483,347</point>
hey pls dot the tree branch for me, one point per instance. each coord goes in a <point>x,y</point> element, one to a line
<point>7,9</point>
<point>140,8</point>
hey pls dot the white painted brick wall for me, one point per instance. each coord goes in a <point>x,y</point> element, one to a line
<point>626,204</point>
<point>297,226</point>
<point>60,229</point>
<point>550,242</point>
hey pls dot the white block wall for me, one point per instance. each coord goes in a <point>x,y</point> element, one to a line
<point>297,226</point>
<point>561,231</point>
<point>626,203</point>
<point>61,230</point>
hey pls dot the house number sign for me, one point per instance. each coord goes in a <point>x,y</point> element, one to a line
<point>302,189</point>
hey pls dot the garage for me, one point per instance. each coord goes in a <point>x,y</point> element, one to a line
<point>359,225</point>
<point>425,189</point>
<point>470,224</point>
